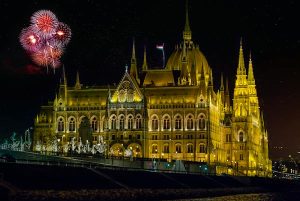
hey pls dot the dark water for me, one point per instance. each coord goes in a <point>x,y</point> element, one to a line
<point>293,196</point>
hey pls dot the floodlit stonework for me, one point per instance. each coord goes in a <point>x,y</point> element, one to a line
<point>172,113</point>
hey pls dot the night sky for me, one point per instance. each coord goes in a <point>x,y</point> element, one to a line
<point>100,47</point>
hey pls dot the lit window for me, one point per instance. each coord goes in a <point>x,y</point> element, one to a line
<point>61,124</point>
<point>72,124</point>
<point>166,125</point>
<point>228,137</point>
<point>190,122</point>
<point>94,124</point>
<point>138,122</point>
<point>241,137</point>
<point>154,149</point>
<point>202,148</point>
<point>154,123</point>
<point>177,122</point>
<point>190,148</point>
<point>166,148</point>
<point>113,122</point>
<point>154,137</point>
<point>202,122</point>
<point>130,122</point>
<point>178,148</point>
<point>121,126</point>
<point>166,137</point>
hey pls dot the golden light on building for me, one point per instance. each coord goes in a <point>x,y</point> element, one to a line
<point>171,113</point>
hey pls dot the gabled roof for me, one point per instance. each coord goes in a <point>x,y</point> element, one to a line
<point>138,95</point>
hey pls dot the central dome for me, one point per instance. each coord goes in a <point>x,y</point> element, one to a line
<point>189,60</point>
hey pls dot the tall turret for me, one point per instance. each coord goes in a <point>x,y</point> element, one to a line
<point>240,98</point>
<point>254,105</point>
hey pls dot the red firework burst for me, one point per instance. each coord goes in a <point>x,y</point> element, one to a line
<point>54,52</point>
<point>30,40</point>
<point>41,58</point>
<point>44,22</point>
<point>45,39</point>
<point>63,33</point>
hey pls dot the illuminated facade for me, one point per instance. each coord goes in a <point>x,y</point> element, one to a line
<point>171,113</point>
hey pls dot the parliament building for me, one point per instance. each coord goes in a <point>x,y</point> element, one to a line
<point>172,113</point>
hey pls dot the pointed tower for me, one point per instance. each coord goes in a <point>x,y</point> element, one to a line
<point>242,127</point>
<point>133,65</point>
<point>254,105</point>
<point>227,98</point>
<point>210,81</point>
<point>222,89</point>
<point>77,84</point>
<point>202,93</point>
<point>62,95</point>
<point>240,98</point>
<point>145,65</point>
<point>187,38</point>
<point>187,33</point>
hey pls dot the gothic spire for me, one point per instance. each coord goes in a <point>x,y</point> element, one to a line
<point>64,76</point>
<point>227,88</point>
<point>77,84</point>
<point>187,33</point>
<point>241,65</point>
<point>133,66</point>
<point>222,83</point>
<point>210,79</point>
<point>227,97</point>
<point>251,79</point>
<point>145,65</point>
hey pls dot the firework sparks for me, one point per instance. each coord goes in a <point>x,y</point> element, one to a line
<point>44,23</point>
<point>45,39</point>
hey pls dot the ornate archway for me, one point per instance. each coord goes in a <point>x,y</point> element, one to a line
<point>136,149</point>
<point>117,150</point>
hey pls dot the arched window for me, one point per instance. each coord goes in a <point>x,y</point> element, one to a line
<point>202,122</point>
<point>177,122</point>
<point>241,136</point>
<point>166,148</point>
<point>154,123</point>
<point>166,125</point>
<point>138,122</point>
<point>121,121</point>
<point>154,149</point>
<point>72,124</point>
<point>190,124</point>
<point>61,124</point>
<point>130,95</point>
<point>178,148</point>
<point>130,122</point>
<point>202,148</point>
<point>94,124</point>
<point>190,148</point>
<point>113,122</point>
